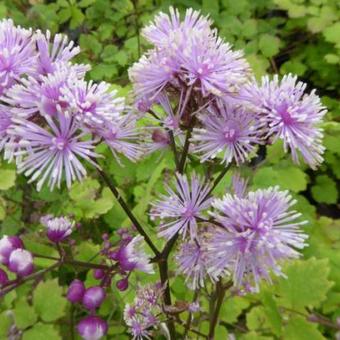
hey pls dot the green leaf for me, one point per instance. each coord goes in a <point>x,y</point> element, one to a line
<point>300,329</point>
<point>332,33</point>
<point>258,64</point>
<point>257,319</point>
<point>77,17</point>
<point>41,331</point>
<point>269,45</point>
<point>286,177</point>
<point>24,314</point>
<point>7,178</point>
<point>306,284</point>
<point>324,190</point>
<point>48,300</point>
<point>5,324</point>
<point>271,311</point>
<point>232,308</point>
<point>86,251</point>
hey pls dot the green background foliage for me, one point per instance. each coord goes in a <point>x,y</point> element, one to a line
<point>278,36</point>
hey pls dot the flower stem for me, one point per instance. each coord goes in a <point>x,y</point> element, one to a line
<point>127,210</point>
<point>216,307</point>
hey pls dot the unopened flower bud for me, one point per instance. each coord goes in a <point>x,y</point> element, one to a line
<point>58,228</point>
<point>76,291</point>
<point>123,284</point>
<point>3,277</point>
<point>98,274</point>
<point>7,245</point>
<point>92,328</point>
<point>93,297</point>
<point>21,262</point>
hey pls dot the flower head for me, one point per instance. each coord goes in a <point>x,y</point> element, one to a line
<point>152,73</point>
<point>93,297</point>
<point>7,245</point>
<point>93,104</point>
<point>53,151</point>
<point>121,136</point>
<point>92,328</point>
<point>292,115</point>
<point>181,207</point>
<point>58,228</point>
<point>76,291</point>
<point>231,132</point>
<point>191,260</point>
<point>143,315</point>
<point>132,256</point>
<point>17,54</point>
<point>167,28</point>
<point>211,66</point>
<point>260,231</point>
<point>58,51</point>
<point>21,262</point>
<point>43,96</point>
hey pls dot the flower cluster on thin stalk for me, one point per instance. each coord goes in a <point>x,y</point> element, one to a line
<point>51,118</point>
<point>143,315</point>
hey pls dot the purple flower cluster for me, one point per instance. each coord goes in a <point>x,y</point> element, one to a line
<point>257,232</point>
<point>192,75</point>
<point>17,259</point>
<point>142,316</point>
<point>187,53</point>
<point>51,118</point>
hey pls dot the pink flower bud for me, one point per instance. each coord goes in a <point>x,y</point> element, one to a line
<point>58,228</point>
<point>21,262</point>
<point>7,245</point>
<point>93,297</point>
<point>122,284</point>
<point>76,291</point>
<point>92,328</point>
<point>98,274</point>
<point>3,277</point>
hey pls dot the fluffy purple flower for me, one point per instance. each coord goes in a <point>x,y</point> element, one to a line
<point>7,245</point>
<point>6,139</point>
<point>166,28</point>
<point>92,328</point>
<point>227,131</point>
<point>292,115</point>
<point>191,260</point>
<point>43,96</point>
<point>132,256</point>
<point>122,137</point>
<point>260,231</point>
<point>58,228</point>
<point>181,207</point>
<point>211,66</point>
<point>93,297</point>
<point>143,315</point>
<point>93,104</point>
<point>17,54</point>
<point>76,291</point>
<point>3,277</point>
<point>59,51</point>
<point>53,151</point>
<point>152,73</point>
<point>21,262</point>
